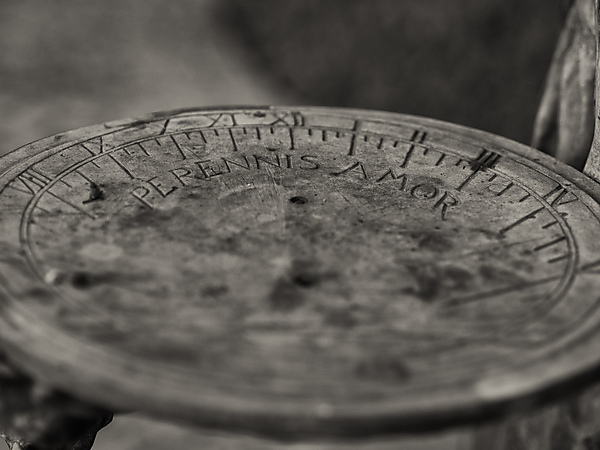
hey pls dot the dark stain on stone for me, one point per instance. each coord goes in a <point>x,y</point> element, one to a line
<point>426,278</point>
<point>290,290</point>
<point>286,296</point>
<point>38,294</point>
<point>87,279</point>
<point>215,291</point>
<point>499,274</point>
<point>435,242</point>
<point>432,280</point>
<point>229,244</point>
<point>145,217</point>
<point>340,318</point>
<point>306,279</point>
<point>386,368</point>
<point>95,193</point>
<point>456,277</point>
<point>81,280</point>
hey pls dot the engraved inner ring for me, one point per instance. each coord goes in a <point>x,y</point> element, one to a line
<point>304,257</point>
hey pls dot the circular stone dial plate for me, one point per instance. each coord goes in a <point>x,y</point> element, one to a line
<point>298,271</point>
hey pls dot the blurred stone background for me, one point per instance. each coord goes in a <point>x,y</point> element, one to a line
<point>70,63</point>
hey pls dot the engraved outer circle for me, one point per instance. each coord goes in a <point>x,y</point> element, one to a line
<point>299,272</point>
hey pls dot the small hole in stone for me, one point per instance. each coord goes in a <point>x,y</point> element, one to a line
<point>305,280</point>
<point>299,200</point>
<point>81,280</point>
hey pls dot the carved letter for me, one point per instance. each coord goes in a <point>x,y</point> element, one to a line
<point>180,174</point>
<point>140,193</point>
<point>424,191</point>
<point>356,165</point>
<point>207,170</point>
<point>445,202</point>
<point>158,187</point>
<point>313,165</point>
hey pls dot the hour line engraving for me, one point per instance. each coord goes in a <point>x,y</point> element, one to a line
<point>470,178</point>
<point>485,160</point>
<point>235,146</point>
<point>125,169</point>
<point>518,222</point>
<point>558,258</point>
<point>142,148</point>
<point>165,125</point>
<point>179,149</point>
<point>549,224</point>
<point>417,137</point>
<point>549,244</point>
<point>355,130</point>
<point>503,191</point>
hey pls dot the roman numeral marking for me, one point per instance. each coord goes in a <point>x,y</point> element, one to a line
<point>292,144</point>
<point>559,196</point>
<point>418,136</point>
<point>294,119</point>
<point>32,181</point>
<point>486,159</point>
<point>94,146</point>
<point>223,119</point>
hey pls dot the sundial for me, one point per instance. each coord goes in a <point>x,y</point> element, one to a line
<point>298,272</point>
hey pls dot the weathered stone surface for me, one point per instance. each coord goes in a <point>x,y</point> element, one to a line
<point>299,272</point>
